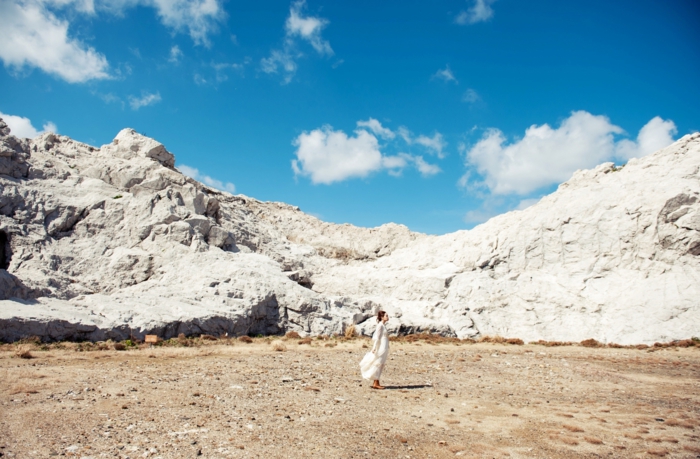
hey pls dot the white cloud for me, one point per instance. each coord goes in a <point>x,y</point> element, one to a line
<point>175,55</point>
<point>22,127</point>
<point>480,11</point>
<point>471,96</point>
<point>376,127</point>
<point>145,100</point>
<point>32,36</point>
<point>525,203</point>
<point>205,179</point>
<point>546,156</point>
<point>446,75</point>
<point>655,135</point>
<point>328,156</point>
<point>434,144</point>
<point>280,59</point>
<point>307,28</point>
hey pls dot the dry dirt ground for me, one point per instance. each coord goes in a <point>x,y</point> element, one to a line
<point>442,401</point>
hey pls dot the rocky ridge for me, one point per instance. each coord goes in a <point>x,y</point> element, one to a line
<point>113,242</point>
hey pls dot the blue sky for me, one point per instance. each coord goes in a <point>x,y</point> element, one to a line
<point>436,115</point>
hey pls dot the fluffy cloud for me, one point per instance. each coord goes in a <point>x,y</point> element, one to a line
<point>32,36</point>
<point>655,135</point>
<point>480,11</point>
<point>376,127</point>
<point>205,179</point>
<point>327,156</point>
<point>22,127</point>
<point>145,100</point>
<point>446,75</point>
<point>545,156</point>
<point>307,28</point>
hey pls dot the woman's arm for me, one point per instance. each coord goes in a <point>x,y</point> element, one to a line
<point>377,337</point>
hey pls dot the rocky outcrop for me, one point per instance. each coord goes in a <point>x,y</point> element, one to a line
<point>113,242</point>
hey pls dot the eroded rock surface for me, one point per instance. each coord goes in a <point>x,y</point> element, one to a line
<point>114,241</point>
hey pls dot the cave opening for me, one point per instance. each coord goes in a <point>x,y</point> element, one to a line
<point>4,250</point>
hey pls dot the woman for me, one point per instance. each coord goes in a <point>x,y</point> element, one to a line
<point>372,364</point>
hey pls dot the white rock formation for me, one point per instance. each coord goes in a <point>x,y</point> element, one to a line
<point>110,242</point>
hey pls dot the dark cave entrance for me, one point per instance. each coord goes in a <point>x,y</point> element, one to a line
<point>5,253</point>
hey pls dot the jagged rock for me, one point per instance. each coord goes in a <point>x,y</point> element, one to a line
<point>114,242</point>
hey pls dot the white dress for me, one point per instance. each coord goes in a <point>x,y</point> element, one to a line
<point>372,364</point>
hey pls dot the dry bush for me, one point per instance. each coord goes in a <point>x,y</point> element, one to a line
<point>692,449</point>
<point>24,352</point>
<point>208,338</point>
<point>451,421</point>
<point>331,344</point>
<point>633,436</point>
<point>641,346</point>
<point>615,345</point>
<point>306,340</point>
<point>661,452</point>
<point>119,347</point>
<point>278,346</point>
<point>492,339</point>
<point>571,428</point>
<point>350,332</point>
<point>593,440</point>
<point>516,341</point>
<point>569,440</point>
<point>292,335</point>
<point>402,439</point>
<point>245,339</point>
<point>22,389</point>
<point>182,340</point>
<point>590,343</point>
<point>679,423</point>
<point>552,343</point>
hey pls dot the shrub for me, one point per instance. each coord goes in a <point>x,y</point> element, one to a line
<point>23,352</point>
<point>279,346</point>
<point>306,340</point>
<point>516,341</point>
<point>209,337</point>
<point>590,343</point>
<point>292,335</point>
<point>119,347</point>
<point>350,331</point>
<point>182,339</point>
<point>245,339</point>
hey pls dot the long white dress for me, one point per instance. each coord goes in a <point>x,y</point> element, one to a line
<point>372,364</point>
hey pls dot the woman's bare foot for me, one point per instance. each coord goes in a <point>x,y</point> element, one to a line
<point>376,385</point>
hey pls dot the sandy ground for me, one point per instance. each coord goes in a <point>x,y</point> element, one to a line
<point>442,401</point>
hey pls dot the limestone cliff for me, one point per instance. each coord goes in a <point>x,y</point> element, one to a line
<point>107,242</point>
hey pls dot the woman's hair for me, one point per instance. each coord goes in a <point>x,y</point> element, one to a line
<point>380,315</point>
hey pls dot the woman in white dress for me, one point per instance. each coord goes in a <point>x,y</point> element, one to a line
<point>372,364</point>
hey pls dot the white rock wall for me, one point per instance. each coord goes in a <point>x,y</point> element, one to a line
<point>113,241</point>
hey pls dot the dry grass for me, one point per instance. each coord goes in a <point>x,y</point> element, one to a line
<point>661,452</point>
<point>278,346</point>
<point>245,339</point>
<point>457,448</point>
<point>331,344</point>
<point>24,352</point>
<point>569,440</point>
<point>350,332</point>
<point>451,421</point>
<point>590,343</point>
<point>680,423</point>
<point>692,448</point>
<point>119,347</point>
<point>593,440</point>
<point>209,338</point>
<point>571,428</point>
<point>306,340</point>
<point>292,335</point>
